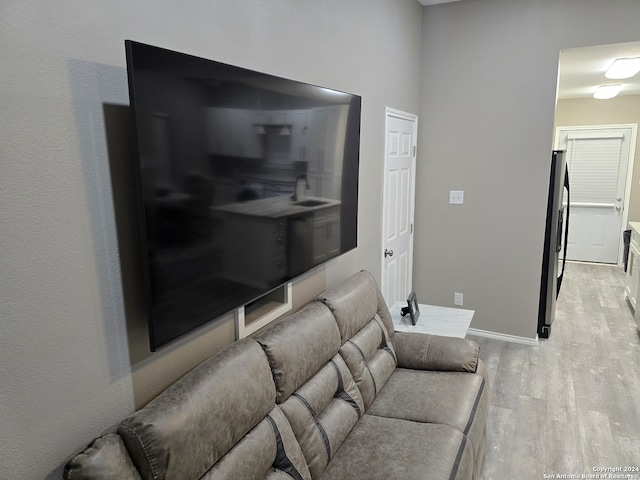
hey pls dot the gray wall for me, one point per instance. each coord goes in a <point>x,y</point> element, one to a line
<point>488,83</point>
<point>73,354</point>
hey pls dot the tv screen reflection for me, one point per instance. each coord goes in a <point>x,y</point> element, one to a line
<point>245,181</point>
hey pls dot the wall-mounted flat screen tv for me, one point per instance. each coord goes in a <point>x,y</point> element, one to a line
<point>245,180</point>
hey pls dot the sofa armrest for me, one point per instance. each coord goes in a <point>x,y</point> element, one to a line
<point>420,351</point>
<point>104,458</point>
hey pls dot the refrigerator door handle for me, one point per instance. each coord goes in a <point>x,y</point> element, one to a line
<point>566,229</point>
<point>559,233</point>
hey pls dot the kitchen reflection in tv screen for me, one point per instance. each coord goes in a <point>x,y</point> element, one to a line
<point>244,181</point>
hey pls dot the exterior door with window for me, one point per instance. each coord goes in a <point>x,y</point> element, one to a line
<point>598,161</point>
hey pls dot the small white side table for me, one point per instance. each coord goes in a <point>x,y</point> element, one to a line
<point>445,321</point>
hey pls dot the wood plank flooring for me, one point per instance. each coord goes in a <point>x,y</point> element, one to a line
<point>571,403</point>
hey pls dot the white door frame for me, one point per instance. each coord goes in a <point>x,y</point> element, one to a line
<point>394,113</point>
<point>632,151</point>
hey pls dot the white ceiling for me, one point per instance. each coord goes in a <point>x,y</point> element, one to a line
<point>582,69</point>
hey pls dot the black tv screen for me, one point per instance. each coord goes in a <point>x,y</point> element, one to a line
<point>245,180</point>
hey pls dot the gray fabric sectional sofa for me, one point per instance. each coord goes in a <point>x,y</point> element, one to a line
<point>330,393</point>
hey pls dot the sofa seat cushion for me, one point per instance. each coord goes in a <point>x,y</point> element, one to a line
<point>459,400</point>
<point>380,448</point>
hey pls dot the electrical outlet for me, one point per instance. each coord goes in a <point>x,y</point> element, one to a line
<point>457,299</point>
<point>456,197</point>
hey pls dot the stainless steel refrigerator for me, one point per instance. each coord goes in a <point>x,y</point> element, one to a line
<point>555,242</point>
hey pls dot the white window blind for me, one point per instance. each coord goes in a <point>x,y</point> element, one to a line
<point>594,135</point>
<point>593,168</point>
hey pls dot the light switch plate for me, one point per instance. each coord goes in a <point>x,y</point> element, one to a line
<point>456,197</point>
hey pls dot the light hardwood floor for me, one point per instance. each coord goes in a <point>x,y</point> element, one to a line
<point>571,403</point>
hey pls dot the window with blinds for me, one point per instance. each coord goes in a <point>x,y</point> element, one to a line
<point>593,167</point>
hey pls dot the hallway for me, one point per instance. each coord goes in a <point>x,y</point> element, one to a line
<point>572,403</point>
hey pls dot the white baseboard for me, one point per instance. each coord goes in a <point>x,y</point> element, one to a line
<point>503,336</point>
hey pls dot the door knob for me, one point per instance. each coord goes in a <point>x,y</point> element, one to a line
<point>618,199</point>
<point>388,253</point>
<point>618,208</point>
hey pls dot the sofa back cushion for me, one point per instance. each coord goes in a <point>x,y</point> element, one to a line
<point>315,388</point>
<point>365,327</point>
<point>299,346</point>
<point>354,302</point>
<point>268,452</point>
<point>184,431</point>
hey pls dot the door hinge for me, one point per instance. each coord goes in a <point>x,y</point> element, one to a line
<point>415,150</point>
<point>411,228</point>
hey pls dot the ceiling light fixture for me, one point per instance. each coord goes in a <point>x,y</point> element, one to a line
<point>604,92</point>
<point>623,68</point>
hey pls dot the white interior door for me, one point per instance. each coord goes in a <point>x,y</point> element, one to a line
<point>599,159</point>
<point>398,204</point>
